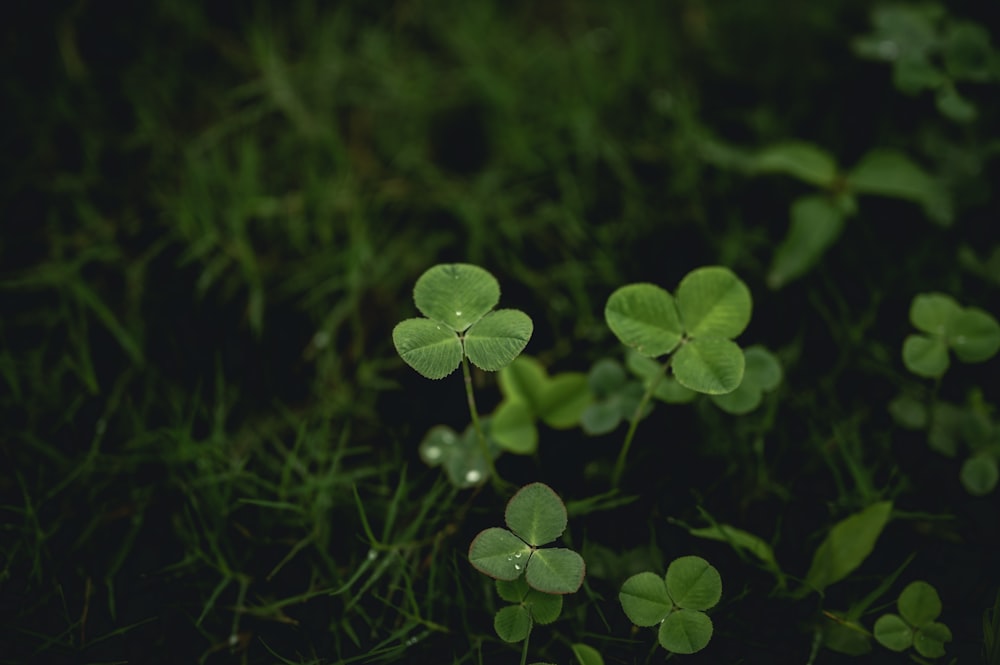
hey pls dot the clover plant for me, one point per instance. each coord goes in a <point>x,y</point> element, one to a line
<point>694,328</point>
<point>461,325</point>
<point>916,624</point>
<point>676,602</point>
<point>972,334</point>
<point>459,454</point>
<point>532,577</point>
<point>615,398</point>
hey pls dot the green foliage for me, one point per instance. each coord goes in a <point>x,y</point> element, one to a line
<point>846,546</point>
<point>711,307</point>
<point>459,454</point>
<point>915,626</point>
<point>456,299</point>
<point>615,398</point>
<point>971,333</point>
<point>676,602</point>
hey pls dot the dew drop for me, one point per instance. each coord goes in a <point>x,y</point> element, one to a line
<point>517,566</point>
<point>432,452</point>
<point>234,639</point>
<point>518,555</point>
<point>473,476</point>
<point>458,312</point>
<point>372,555</point>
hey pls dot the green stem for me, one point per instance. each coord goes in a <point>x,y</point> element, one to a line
<point>484,447</point>
<point>616,476</point>
<point>524,650</point>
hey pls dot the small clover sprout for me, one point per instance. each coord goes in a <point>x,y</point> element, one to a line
<point>915,626</point>
<point>457,300</point>
<point>615,398</point>
<point>971,333</point>
<point>677,602</point>
<point>459,454</point>
<point>535,516</point>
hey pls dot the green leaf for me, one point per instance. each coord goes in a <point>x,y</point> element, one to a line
<point>523,379</point>
<point>645,600</point>
<point>815,224</point>
<point>925,356</point>
<point>586,655</point>
<point>606,377</point>
<point>919,603</point>
<point>929,640</point>
<point>846,637</point>
<point>710,365</point>
<point>934,313</point>
<point>513,428</point>
<point>712,301</point>
<point>438,444</point>
<point>685,631</point>
<point>650,371</point>
<point>545,607</point>
<point>887,172</point>
<point>499,553</point>
<point>739,539</point>
<point>536,514</point>
<point>908,412</point>
<point>954,106</point>
<point>428,347</point>
<point>693,583</point>
<point>456,294</point>
<point>893,633</point>
<point>601,418</point>
<point>513,591</point>
<point>562,402</point>
<point>848,544</point>
<point>967,52</point>
<point>980,474</point>
<point>801,160</point>
<point>644,317</point>
<point>462,456</point>
<point>763,367</point>
<point>512,623</point>
<point>555,570</point>
<point>974,335</point>
<point>497,338</point>
<point>743,400</point>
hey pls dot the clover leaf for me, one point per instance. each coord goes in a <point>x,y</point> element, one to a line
<point>457,300</point>
<point>460,455</point>
<point>919,606</point>
<point>535,516</point>
<point>615,398</point>
<point>971,333</point>
<point>676,602</point>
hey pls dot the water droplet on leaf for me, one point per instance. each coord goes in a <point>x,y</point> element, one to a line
<point>517,566</point>
<point>518,555</point>
<point>473,476</point>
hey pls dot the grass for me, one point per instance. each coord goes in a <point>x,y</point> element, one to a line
<point>213,220</point>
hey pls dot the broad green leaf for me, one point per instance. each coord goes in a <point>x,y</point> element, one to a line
<point>562,402</point>
<point>606,377</point>
<point>536,514</point>
<point>712,301</point>
<point>919,603</point>
<point>974,335</point>
<point>887,172</point>
<point>710,365</point>
<point>846,637</point>
<point>555,570</point>
<point>671,391</point>
<point>499,553</point>
<point>815,224</point>
<point>644,317</point>
<point>848,544</point>
<point>743,400</point>
<point>685,631</point>
<point>934,313</point>
<point>497,338</point>
<point>601,418</point>
<point>523,379</point>
<point>428,347</point>
<point>645,600</point>
<point>925,356</point>
<point>980,474</point>
<point>693,583</point>
<point>741,540</point>
<point>513,591</point>
<point>763,367</point>
<point>514,428</point>
<point>545,607</point>
<point>801,160</point>
<point>586,655</point>
<point>893,633</point>
<point>651,371</point>
<point>512,623</point>
<point>456,294</point>
<point>929,640</point>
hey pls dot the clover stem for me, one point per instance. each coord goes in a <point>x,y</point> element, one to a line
<point>616,476</point>
<point>524,649</point>
<point>484,447</point>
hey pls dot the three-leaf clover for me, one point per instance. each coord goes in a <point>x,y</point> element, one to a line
<point>458,301</point>
<point>972,334</point>
<point>535,516</point>
<point>513,623</point>
<point>677,602</point>
<point>919,605</point>
<point>711,307</point>
<point>459,454</point>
